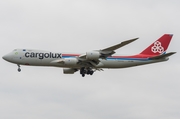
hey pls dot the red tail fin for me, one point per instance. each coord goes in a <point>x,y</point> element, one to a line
<point>158,47</point>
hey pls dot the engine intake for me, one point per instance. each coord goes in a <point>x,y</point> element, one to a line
<point>69,71</point>
<point>70,61</point>
<point>92,55</point>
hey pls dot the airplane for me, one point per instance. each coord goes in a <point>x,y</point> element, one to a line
<point>94,60</point>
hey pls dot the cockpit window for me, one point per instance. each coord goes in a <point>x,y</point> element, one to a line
<point>15,50</point>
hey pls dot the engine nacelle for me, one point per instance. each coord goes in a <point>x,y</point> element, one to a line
<point>70,61</point>
<point>92,55</point>
<point>68,71</point>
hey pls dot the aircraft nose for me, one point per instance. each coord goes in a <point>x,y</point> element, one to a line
<point>7,57</point>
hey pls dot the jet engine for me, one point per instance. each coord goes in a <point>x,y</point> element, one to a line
<point>70,61</point>
<point>69,71</point>
<point>92,55</point>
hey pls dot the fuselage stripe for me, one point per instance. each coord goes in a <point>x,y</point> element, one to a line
<point>115,58</point>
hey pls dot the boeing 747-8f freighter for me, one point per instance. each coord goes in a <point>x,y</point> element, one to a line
<point>92,61</point>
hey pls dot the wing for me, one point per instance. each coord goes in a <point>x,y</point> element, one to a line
<point>112,48</point>
<point>92,58</point>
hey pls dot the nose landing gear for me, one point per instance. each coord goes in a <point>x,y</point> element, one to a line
<point>19,69</point>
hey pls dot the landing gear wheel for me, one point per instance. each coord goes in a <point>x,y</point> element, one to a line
<point>19,70</point>
<point>91,72</point>
<point>82,71</point>
<point>83,75</point>
<point>88,72</point>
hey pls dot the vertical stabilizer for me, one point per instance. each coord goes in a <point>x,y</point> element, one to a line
<point>158,47</point>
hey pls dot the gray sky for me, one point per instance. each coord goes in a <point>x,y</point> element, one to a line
<point>144,92</point>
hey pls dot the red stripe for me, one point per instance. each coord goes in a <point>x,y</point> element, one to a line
<point>139,56</point>
<point>70,55</point>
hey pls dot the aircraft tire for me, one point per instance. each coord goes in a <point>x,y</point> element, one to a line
<point>19,70</point>
<point>91,72</point>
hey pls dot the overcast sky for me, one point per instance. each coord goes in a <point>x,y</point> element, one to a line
<point>143,92</point>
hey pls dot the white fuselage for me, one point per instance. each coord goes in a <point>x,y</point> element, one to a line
<point>46,58</point>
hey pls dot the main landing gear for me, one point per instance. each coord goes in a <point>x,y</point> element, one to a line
<point>19,69</point>
<point>87,71</point>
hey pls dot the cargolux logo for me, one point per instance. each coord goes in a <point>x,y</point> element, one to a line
<point>157,47</point>
<point>43,55</point>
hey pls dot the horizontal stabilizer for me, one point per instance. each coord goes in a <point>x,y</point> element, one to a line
<point>163,56</point>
